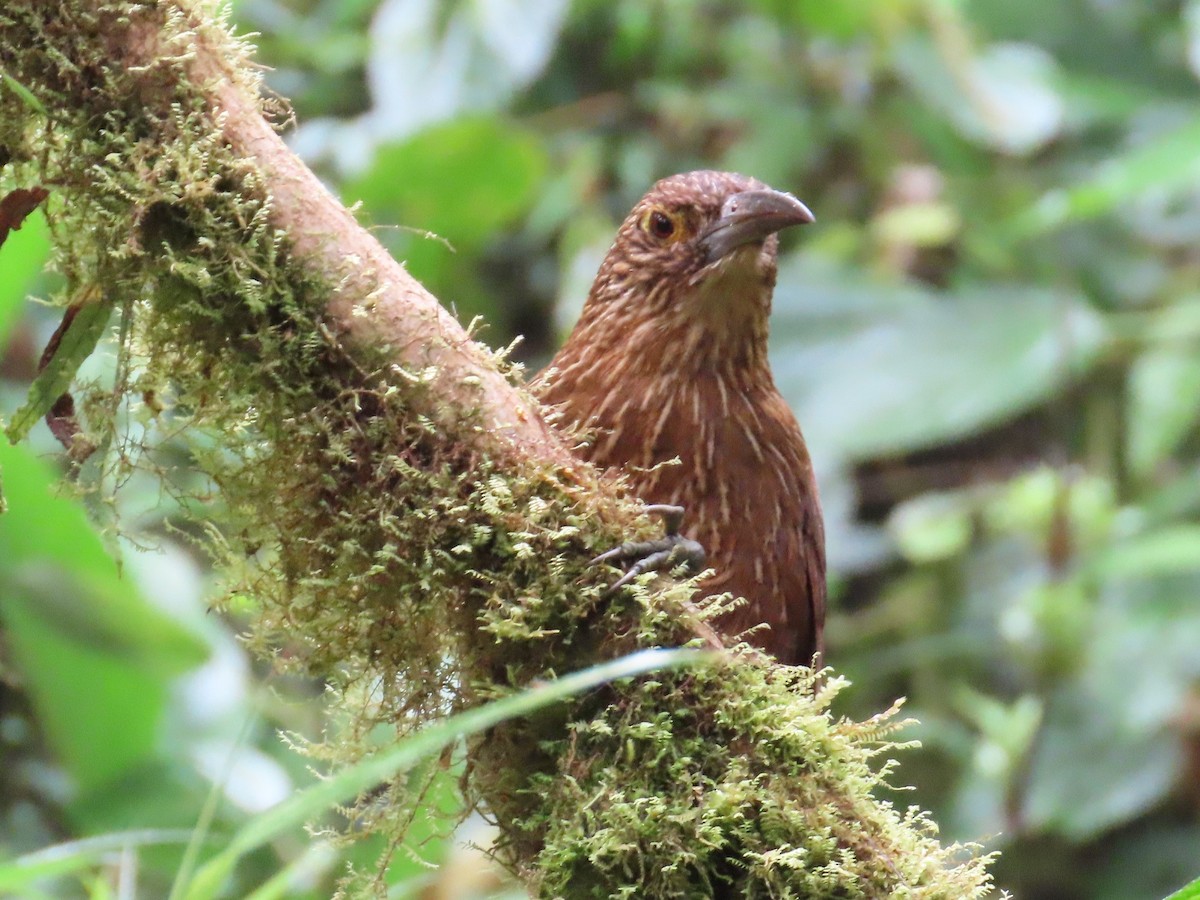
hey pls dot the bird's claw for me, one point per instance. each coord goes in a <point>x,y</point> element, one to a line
<point>662,555</point>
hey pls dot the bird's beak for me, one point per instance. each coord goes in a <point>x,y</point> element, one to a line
<point>751,216</point>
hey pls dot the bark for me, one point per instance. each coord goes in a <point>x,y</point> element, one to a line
<point>376,304</point>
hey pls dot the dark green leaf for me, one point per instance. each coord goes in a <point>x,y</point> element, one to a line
<point>24,255</point>
<point>26,95</point>
<point>1164,386</point>
<point>1091,771</point>
<point>75,345</point>
<point>1175,548</point>
<point>460,181</point>
<point>1149,862</point>
<point>879,371</point>
<point>1167,162</point>
<point>89,648</point>
<point>49,551</point>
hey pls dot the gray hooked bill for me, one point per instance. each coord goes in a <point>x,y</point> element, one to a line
<point>751,216</point>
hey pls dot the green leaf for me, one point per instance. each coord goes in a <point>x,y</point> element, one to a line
<point>76,345</point>
<point>20,874</point>
<point>1150,861</point>
<point>1164,162</point>
<point>878,370</point>
<point>79,694</point>
<point>1002,96</point>
<point>1163,386</point>
<point>349,783</point>
<point>101,614</point>
<point>1091,771</point>
<point>933,526</point>
<point>24,254</point>
<point>462,181</point>
<point>1167,550</point>
<point>847,20</point>
<point>91,651</point>
<point>26,96</point>
<point>49,551</point>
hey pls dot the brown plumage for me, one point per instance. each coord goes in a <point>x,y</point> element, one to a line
<point>669,360</point>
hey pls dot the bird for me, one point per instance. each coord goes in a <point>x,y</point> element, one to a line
<point>666,372</point>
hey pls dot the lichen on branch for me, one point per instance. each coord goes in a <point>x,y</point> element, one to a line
<point>398,512</point>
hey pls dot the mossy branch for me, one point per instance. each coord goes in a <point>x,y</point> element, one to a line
<point>415,533</point>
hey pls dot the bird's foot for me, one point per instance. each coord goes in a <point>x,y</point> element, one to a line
<point>662,555</point>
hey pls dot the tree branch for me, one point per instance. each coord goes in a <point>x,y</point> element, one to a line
<point>376,303</point>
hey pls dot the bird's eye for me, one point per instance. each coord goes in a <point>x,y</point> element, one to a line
<point>659,224</point>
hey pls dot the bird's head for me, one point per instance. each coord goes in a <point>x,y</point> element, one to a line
<point>697,253</point>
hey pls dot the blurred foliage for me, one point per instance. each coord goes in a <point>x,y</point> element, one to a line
<point>991,338</point>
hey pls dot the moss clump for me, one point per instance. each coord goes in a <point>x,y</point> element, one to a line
<point>734,781</point>
<point>386,547</point>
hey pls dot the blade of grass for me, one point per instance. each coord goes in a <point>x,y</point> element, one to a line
<point>207,813</point>
<point>26,95</point>
<point>349,783</point>
<point>308,866</point>
<point>18,875</point>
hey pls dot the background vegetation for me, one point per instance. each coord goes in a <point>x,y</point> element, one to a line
<point>990,337</point>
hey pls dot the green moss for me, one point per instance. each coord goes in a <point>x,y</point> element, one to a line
<point>733,781</point>
<point>395,561</point>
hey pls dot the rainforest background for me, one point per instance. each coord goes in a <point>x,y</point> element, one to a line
<point>991,338</point>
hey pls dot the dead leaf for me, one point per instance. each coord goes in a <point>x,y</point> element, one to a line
<point>73,341</point>
<point>61,416</point>
<point>16,205</point>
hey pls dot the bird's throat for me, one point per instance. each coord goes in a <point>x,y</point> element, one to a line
<point>724,315</point>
